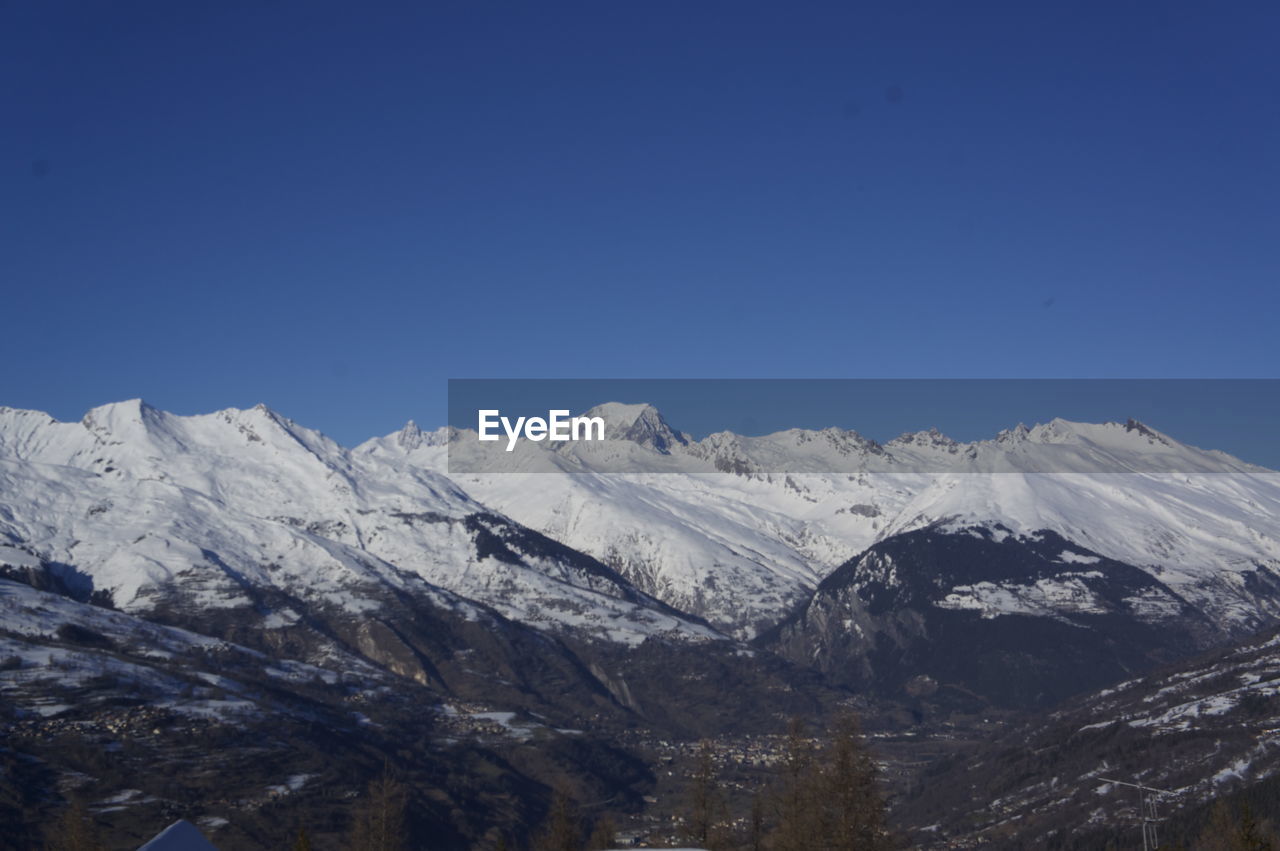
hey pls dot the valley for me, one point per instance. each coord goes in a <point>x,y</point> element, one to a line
<point>229,618</point>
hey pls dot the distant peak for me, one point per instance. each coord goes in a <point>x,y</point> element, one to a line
<point>25,412</point>
<point>273,416</point>
<point>134,405</point>
<point>115,414</point>
<point>849,437</point>
<point>264,408</point>
<point>622,413</point>
<point>640,423</point>
<point>1015,434</point>
<point>929,437</point>
<point>1056,430</point>
<point>409,437</point>
<point>1133,426</point>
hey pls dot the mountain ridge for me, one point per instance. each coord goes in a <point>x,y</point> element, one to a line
<point>704,554</point>
<point>714,594</point>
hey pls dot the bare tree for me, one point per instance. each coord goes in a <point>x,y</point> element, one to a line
<point>827,799</point>
<point>603,836</point>
<point>301,842</point>
<point>380,817</point>
<point>1234,831</point>
<point>756,828</point>
<point>562,828</point>
<point>706,809</point>
<point>74,830</point>
<point>853,813</point>
<point>795,799</point>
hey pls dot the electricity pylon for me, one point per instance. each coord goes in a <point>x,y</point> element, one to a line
<point>1148,797</point>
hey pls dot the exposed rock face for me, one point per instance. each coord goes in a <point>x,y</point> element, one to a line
<point>1013,620</point>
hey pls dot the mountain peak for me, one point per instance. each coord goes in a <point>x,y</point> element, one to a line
<point>126,407</point>
<point>622,414</point>
<point>116,415</point>
<point>1057,430</point>
<point>640,423</point>
<point>272,417</point>
<point>1132,425</point>
<point>270,413</point>
<point>930,437</point>
<point>1013,435</point>
<point>409,437</point>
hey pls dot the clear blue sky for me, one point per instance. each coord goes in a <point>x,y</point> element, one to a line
<point>333,208</point>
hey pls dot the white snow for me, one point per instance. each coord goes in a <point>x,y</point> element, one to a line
<point>1070,557</point>
<point>1045,597</point>
<point>742,549</point>
<point>182,835</point>
<point>142,502</point>
<point>17,558</point>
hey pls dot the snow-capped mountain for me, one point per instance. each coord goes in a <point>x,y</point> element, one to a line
<point>616,540</point>
<point>273,578</point>
<point>245,510</point>
<point>742,529</point>
<point>641,424</point>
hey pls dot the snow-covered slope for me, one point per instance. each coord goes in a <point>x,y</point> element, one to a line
<point>738,530</point>
<point>40,632</point>
<point>741,529</point>
<point>244,509</point>
<point>737,551</point>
